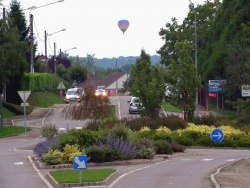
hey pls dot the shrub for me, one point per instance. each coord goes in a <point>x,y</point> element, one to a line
<point>17,109</point>
<point>162,147</point>
<point>42,147</point>
<point>124,149</point>
<point>121,131</point>
<point>101,154</point>
<point>177,147</point>
<point>93,125</point>
<point>145,132</point>
<point>69,151</point>
<point>145,142</point>
<point>49,131</point>
<point>162,133</point>
<point>171,121</point>
<point>206,120</point>
<point>145,153</point>
<point>51,159</point>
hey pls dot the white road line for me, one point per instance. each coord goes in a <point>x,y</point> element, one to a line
<point>207,159</point>
<point>39,173</point>
<point>120,177</point>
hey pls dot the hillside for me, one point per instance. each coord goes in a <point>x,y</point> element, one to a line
<point>121,61</point>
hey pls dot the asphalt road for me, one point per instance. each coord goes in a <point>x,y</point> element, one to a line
<point>190,171</point>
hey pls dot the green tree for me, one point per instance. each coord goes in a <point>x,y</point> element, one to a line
<point>16,19</point>
<point>78,73</point>
<point>12,52</point>
<point>148,84</point>
<point>62,72</point>
<point>182,76</point>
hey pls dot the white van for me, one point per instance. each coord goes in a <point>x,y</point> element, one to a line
<point>74,95</point>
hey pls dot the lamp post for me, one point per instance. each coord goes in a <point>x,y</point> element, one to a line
<point>45,42</point>
<point>67,50</point>
<point>196,63</point>
<point>31,34</point>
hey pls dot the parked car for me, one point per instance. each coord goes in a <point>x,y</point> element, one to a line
<point>101,92</point>
<point>74,95</point>
<point>134,105</point>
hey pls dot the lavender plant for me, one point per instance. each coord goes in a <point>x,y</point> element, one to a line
<point>125,149</point>
<point>42,147</point>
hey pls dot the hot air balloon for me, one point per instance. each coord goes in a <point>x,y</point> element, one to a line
<point>123,25</point>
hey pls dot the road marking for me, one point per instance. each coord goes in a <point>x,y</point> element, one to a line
<point>231,160</point>
<point>207,159</point>
<point>39,173</point>
<point>120,177</point>
<point>18,163</point>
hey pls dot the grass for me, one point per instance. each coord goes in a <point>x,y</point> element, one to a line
<point>12,131</point>
<point>89,175</point>
<point>44,99</point>
<point>170,108</point>
<point>7,113</point>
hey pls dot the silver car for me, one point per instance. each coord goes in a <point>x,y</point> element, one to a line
<point>134,105</point>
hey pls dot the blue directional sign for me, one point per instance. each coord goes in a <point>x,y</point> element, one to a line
<point>80,162</point>
<point>217,135</point>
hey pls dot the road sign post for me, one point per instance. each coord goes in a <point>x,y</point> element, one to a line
<point>217,135</point>
<point>24,96</point>
<point>80,163</point>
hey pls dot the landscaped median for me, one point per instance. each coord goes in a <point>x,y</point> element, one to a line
<point>63,175</point>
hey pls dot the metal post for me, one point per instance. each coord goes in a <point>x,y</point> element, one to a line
<point>55,57</point>
<point>116,80</point>
<point>196,61</point>
<point>31,45</point>
<point>46,58</point>
<point>1,110</point>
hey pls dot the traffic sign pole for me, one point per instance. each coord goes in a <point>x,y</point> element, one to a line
<point>24,96</point>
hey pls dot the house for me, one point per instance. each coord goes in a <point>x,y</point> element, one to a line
<point>112,82</point>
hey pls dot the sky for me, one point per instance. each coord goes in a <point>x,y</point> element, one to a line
<point>92,25</point>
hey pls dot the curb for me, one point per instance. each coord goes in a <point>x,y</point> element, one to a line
<point>107,181</point>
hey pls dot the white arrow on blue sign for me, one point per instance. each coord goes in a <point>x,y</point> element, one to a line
<point>80,162</point>
<point>217,135</point>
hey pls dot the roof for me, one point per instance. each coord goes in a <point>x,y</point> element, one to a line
<point>95,80</point>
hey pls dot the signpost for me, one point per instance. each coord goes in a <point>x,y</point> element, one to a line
<point>80,163</point>
<point>217,135</point>
<point>61,87</point>
<point>24,96</point>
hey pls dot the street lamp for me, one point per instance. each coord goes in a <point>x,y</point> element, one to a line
<point>45,41</point>
<point>67,50</point>
<point>31,33</point>
<point>196,64</point>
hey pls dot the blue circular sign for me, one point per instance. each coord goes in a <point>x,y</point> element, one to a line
<point>217,135</point>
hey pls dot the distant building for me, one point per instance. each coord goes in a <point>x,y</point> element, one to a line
<point>113,82</point>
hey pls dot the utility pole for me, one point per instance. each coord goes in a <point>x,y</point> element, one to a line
<point>55,57</point>
<point>196,63</point>
<point>116,79</point>
<point>31,45</point>
<point>46,58</point>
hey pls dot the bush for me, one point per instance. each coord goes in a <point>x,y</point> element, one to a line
<point>49,131</point>
<point>17,109</point>
<point>69,151</point>
<point>43,147</point>
<point>206,120</point>
<point>121,131</point>
<point>101,154</point>
<point>162,133</point>
<point>177,147</point>
<point>162,147</point>
<point>172,122</point>
<point>145,142</point>
<point>145,132</point>
<point>50,159</point>
<point>145,153</point>
<point>124,149</point>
